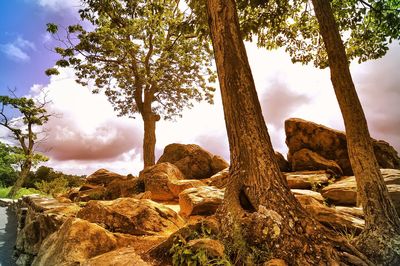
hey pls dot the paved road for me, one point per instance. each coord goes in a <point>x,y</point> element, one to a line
<point>8,232</point>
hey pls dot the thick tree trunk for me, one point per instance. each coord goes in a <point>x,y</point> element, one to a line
<point>259,212</point>
<point>380,239</point>
<point>26,168</point>
<point>149,138</point>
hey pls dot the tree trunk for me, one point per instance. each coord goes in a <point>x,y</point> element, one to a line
<point>25,169</point>
<point>380,240</point>
<point>149,139</point>
<point>259,212</point>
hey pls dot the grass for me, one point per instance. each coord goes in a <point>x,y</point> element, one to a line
<point>22,192</point>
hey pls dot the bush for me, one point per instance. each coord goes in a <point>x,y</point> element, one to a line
<point>54,187</point>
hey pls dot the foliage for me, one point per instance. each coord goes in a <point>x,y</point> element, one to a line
<point>182,254</point>
<point>140,53</point>
<point>367,27</point>
<point>48,174</point>
<point>4,191</point>
<point>53,187</point>
<point>8,175</point>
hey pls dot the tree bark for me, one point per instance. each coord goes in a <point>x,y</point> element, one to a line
<point>259,212</point>
<point>380,239</point>
<point>149,138</point>
<point>25,169</point>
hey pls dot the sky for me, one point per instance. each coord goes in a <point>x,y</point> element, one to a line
<point>86,134</point>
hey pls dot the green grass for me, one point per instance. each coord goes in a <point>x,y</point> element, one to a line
<point>22,192</point>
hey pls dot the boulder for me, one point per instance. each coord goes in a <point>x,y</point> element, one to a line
<point>193,161</point>
<point>103,177</point>
<point>306,159</point>
<point>213,248</point>
<point>118,257</point>
<point>74,243</point>
<point>354,211</point>
<point>219,180</point>
<point>120,188</point>
<point>308,193</point>
<point>157,178</point>
<point>331,144</point>
<point>177,186</point>
<point>97,193</point>
<point>41,217</point>
<point>307,179</point>
<point>282,162</point>
<point>339,221</point>
<point>344,192</point>
<point>201,200</point>
<point>132,216</point>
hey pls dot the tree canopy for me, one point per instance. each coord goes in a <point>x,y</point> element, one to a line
<point>139,49</point>
<point>367,27</point>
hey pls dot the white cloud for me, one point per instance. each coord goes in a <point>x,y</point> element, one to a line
<point>18,50</point>
<point>59,5</point>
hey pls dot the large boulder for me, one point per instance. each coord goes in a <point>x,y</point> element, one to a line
<point>193,161</point>
<point>75,242</point>
<point>118,257</point>
<point>120,188</point>
<point>132,216</point>
<point>306,159</point>
<point>331,144</point>
<point>201,200</point>
<point>282,162</point>
<point>307,179</point>
<point>330,217</point>
<point>344,192</point>
<point>158,178</point>
<point>103,177</point>
<point>219,180</point>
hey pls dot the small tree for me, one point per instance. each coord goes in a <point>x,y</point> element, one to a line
<point>147,55</point>
<point>30,114</point>
<point>8,175</point>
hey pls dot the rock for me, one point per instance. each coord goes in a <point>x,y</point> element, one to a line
<point>331,218</point>
<point>177,186</point>
<point>219,180</point>
<point>354,211</point>
<point>213,248</point>
<point>118,257</point>
<point>97,193</point>
<point>275,262</point>
<point>39,217</point>
<point>132,216</point>
<point>103,177</point>
<point>201,200</point>
<point>74,243</point>
<point>218,164</point>
<point>88,186</point>
<point>282,162</point>
<point>193,161</point>
<point>308,193</point>
<point>157,179</point>
<point>343,192</point>
<point>306,159</point>
<point>331,144</point>
<point>120,188</point>
<point>307,179</point>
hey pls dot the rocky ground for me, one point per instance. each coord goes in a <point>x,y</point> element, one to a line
<point>166,212</point>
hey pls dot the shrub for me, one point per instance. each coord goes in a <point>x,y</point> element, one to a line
<point>53,187</point>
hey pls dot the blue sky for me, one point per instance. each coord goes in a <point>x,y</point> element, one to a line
<point>87,135</point>
<point>24,55</point>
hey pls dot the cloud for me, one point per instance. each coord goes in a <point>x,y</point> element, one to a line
<point>59,5</point>
<point>278,102</point>
<point>378,84</point>
<point>85,128</point>
<point>18,50</point>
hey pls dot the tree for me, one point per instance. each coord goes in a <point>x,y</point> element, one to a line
<point>258,208</point>
<point>8,175</point>
<point>370,26</point>
<point>146,55</point>
<point>23,130</point>
<point>380,239</point>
